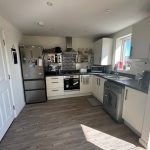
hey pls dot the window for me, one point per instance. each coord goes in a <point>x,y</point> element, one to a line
<point>123,52</point>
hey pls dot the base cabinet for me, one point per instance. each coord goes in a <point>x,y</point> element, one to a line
<point>85,83</point>
<point>54,86</point>
<point>134,108</point>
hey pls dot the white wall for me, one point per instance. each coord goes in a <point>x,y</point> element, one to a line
<point>45,41</point>
<point>141,45</point>
<point>12,37</point>
<point>50,42</point>
<point>141,39</point>
<point>82,43</point>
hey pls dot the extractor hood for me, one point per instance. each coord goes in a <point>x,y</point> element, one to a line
<point>69,44</point>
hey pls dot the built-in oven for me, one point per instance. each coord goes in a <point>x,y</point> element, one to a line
<point>71,82</point>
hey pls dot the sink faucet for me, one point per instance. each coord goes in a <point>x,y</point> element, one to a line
<point>139,77</point>
<point>116,74</point>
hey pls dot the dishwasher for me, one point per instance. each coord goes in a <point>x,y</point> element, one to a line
<point>113,99</point>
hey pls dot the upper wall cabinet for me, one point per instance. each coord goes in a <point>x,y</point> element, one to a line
<point>141,40</point>
<point>103,51</point>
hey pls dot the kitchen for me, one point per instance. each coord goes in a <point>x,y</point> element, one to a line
<point>61,79</point>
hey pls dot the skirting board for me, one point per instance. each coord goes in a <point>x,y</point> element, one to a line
<point>142,142</point>
<point>134,130</point>
<point>67,96</point>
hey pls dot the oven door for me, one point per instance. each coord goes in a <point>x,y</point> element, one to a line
<point>71,83</point>
<point>75,83</point>
<point>67,83</point>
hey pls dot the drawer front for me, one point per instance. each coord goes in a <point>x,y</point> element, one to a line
<point>35,96</point>
<point>54,79</point>
<point>51,85</point>
<point>55,92</point>
<point>54,82</point>
<point>36,84</point>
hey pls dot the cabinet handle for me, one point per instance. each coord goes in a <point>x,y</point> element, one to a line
<point>55,90</point>
<point>126,96</point>
<point>54,78</point>
<point>81,78</point>
<point>54,82</point>
<point>99,81</point>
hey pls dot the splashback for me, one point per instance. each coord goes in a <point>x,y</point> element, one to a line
<point>138,66</point>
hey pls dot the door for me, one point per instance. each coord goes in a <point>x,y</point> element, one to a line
<point>6,106</point>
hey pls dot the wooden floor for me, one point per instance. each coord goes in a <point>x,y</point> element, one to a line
<point>67,124</point>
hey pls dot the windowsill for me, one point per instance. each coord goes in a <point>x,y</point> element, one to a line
<point>124,71</point>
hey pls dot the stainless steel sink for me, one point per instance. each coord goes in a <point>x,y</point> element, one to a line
<point>119,78</point>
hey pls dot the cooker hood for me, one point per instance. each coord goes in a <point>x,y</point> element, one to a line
<point>69,44</point>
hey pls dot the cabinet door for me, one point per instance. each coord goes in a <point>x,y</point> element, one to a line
<point>94,85</point>
<point>85,83</point>
<point>97,52</point>
<point>141,40</point>
<point>106,54</point>
<point>133,108</point>
<point>101,88</point>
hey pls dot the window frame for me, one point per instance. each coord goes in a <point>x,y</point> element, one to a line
<point>121,40</point>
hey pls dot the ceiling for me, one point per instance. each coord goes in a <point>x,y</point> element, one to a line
<point>77,18</point>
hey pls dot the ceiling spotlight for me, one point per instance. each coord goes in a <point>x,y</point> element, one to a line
<point>107,11</point>
<point>40,23</point>
<point>49,3</point>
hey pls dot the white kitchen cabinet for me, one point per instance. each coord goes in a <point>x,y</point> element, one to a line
<point>146,125</point>
<point>94,86</point>
<point>141,40</point>
<point>134,108</point>
<point>98,87</point>
<point>54,86</point>
<point>103,51</point>
<point>101,89</point>
<point>85,83</point>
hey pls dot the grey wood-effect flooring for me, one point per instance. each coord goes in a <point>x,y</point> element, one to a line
<point>67,124</point>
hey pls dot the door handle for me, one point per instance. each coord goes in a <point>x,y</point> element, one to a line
<point>126,96</point>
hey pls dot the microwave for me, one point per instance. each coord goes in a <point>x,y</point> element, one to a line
<point>97,69</point>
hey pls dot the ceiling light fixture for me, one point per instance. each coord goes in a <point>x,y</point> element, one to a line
<point>49,3</point>
<point>107,11</point>
<point>40,23</point>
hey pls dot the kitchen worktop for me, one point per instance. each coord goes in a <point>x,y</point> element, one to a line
<point>132,83</point>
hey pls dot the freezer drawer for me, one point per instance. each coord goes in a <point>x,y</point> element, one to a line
<point>35,84</point>
<point>35,96</point>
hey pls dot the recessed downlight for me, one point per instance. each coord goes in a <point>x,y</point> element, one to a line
<point>41,23</point>
<point>107,11</point>
<point>49,3</point>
